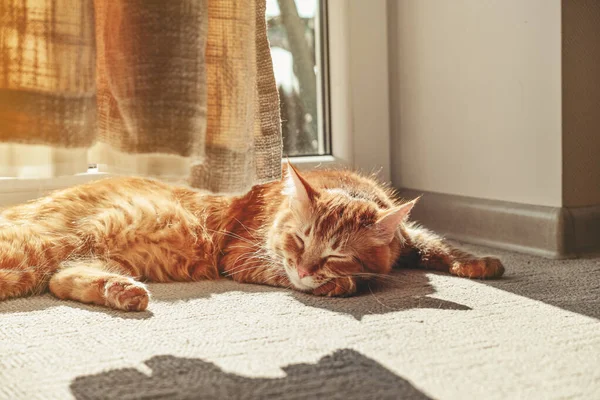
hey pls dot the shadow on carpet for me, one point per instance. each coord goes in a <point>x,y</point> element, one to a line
<point>400,291</point>
<point>346,374</point>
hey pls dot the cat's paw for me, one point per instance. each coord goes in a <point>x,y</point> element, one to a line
<point>126,294</point>
<point>337,287</point>
<point>483,268</point>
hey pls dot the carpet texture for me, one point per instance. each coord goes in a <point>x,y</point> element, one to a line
<point>421,335</point>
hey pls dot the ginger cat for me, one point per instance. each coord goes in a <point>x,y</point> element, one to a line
<point>324,232</point>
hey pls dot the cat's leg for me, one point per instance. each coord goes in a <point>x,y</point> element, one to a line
<point>22,271</point>
<point>428,250</point>
<point>22,281</point>
<point>95,281</point>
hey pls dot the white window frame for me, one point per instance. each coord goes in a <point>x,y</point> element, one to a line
<point>358,102</point>
<point>358,88</point>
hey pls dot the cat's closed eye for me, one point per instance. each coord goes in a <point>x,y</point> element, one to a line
<point>299,241</point>
<point>336,258</point>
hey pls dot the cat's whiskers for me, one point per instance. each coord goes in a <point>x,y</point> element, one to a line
<point>235,272</point>
<point>377,299</point>
<point>270,276</point>
<point>264,261</point>
<point>246,228</point>
<point>252,256</point>
<point>235,236</point>
<point>249,248</point>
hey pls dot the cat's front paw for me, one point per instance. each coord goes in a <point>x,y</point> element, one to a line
<point>484,268</point>
<point>126,294</point>
<point>337,287</point>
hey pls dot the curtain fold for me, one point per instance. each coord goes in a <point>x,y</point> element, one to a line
<point>181,90</point>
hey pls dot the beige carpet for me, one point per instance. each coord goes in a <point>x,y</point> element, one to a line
<point>533,335</point>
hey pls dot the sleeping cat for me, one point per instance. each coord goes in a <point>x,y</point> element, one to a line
<point>324,232</point>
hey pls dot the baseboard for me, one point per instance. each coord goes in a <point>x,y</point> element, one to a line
<point>553,232</point>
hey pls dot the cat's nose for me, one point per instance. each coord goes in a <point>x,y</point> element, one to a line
<point>302,273</point>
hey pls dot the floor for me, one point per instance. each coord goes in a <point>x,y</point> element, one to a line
<point>533,334</point>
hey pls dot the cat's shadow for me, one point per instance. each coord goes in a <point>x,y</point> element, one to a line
<point>402,290</point>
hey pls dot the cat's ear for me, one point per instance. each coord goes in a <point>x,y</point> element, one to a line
<point>302,195</point>
<point>390,220</point>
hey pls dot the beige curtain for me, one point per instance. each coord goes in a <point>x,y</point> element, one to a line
<point>181,90</point>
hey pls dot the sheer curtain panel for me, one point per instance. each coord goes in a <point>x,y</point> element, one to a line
<point>181,90</point>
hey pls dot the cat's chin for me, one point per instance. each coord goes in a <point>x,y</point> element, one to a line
<point>306,286</point>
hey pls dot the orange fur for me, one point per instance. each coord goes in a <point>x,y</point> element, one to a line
<point>322,232</point>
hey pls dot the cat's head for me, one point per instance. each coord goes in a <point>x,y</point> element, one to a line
<point>325,234</point>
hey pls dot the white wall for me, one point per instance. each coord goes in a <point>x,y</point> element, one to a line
<point>476,98</point>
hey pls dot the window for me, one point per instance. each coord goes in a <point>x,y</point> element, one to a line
<point>345,42</point>
<point>297,34</point>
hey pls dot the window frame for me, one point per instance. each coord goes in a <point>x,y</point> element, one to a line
<point>358,87</point>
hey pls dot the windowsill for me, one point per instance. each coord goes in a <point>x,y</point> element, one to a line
<point>310,162</point>
<point>17,191</point>
<point>15,185</point>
